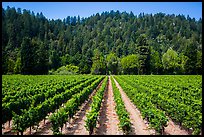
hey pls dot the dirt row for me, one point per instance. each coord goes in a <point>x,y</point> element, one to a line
<point>108,119</point>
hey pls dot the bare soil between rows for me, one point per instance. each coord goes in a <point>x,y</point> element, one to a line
<point>139,126</point>
<point>108,119</point>
<point>77,126</point>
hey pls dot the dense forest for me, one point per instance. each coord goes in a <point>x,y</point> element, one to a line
<point>108,43</point>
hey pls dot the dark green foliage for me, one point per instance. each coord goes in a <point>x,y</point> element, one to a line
<point>199,62</point>
<point>155,62</point>
<point>98,66</point>
<point>34,57</point>
<point>143,50</point>
<point>17,68</point>
<point>27,56</point>
<point>42,58</point>
<point>191,53</point>
<point>56,43</point>
<point>112,63</point>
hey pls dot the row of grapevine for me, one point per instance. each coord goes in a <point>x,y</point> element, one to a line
<point>121,111</point>
<point>141,99</point>
<point>27,101</point>
<point>188,85</point>
<point>181,95</point>
<point>178,104</point>
<point>58,119</point>
<point>34,115</point>
<point>32,88</point>
<point>92,115</point>
<point>12,84</point>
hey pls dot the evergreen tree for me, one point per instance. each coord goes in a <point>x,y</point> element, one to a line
<point>112,63</point>
<point>143,50</point>
<point>98,66</point>
<point>27,56</point>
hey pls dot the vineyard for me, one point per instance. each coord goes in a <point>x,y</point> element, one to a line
<point>99,104</point>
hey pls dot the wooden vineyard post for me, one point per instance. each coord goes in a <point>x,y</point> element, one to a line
<point>91,131</point>
<point>69,122</point>
<point>9,123</point>
<point>17,129</point>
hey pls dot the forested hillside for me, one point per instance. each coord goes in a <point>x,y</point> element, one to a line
<point>111,42</point>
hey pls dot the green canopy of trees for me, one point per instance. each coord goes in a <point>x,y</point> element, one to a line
<point>112,63</point>
<point>130,64</point>
<point>170,61</point>
<point>98,66</point>
<point>33,44</point>
<point>66,70</point>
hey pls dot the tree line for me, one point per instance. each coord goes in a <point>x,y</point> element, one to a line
<point>111,42</point>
